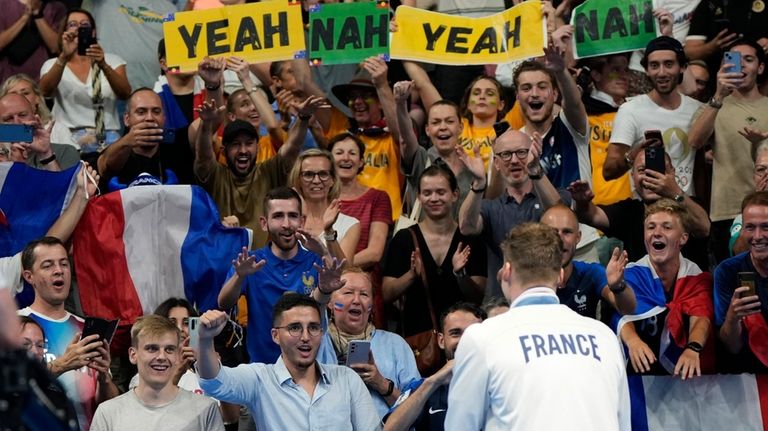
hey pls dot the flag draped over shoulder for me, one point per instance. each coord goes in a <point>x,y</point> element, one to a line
<point>137,247</point>
<point>692,297</point>
<point>31,200</point>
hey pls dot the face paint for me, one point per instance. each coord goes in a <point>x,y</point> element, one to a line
<point>613,75</point>
<point>339,306</point>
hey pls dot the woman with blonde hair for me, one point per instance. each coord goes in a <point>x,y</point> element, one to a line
<point>24,85</point>
<point>314,178</point>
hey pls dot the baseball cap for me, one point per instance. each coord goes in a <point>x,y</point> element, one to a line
<point>666,43</point>
<point>236,128</point>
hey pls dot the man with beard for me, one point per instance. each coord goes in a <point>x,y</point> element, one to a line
<point>295,392</point>
<point>239,188</point>
<point>585,283</point>
<point>740,311</point>
<point>266,274</point>
<point>422,404</point>
<point>663,109</point>
<point>528,193</point>
<point>733,117</point>
<point>624,219</point>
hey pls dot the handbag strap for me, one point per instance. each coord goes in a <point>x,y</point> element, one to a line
<point>417,249</point>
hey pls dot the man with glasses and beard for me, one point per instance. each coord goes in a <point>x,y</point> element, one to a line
<point>296,392</point>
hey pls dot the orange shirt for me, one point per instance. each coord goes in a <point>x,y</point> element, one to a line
<point>606,192</point>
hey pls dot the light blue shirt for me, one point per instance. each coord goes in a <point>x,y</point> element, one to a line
<point>340,401</point>
<point>394,359</point>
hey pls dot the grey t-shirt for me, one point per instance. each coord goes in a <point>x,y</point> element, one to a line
<point>187,412</point>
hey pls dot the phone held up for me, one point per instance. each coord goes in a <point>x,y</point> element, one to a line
<point>748,279</point>
<point>654,153</point>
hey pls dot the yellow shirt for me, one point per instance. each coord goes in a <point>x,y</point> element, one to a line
<point>606,192</point>
<point>481,137</point>
<point>381,162</point>
<point>515,117</point>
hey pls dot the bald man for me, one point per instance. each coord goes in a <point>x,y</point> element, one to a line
<point>585,283</point>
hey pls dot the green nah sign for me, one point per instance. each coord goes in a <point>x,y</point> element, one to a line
<point>603,27</point>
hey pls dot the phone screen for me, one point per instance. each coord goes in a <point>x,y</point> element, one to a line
<point>748,279</point>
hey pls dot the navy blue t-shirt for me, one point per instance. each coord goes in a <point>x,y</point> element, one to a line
<point>584,288</point>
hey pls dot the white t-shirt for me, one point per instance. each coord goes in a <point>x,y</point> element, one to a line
<point>512,369</point>
<point>640,114</point>
<point>73,107</point>
<point>10,273</point>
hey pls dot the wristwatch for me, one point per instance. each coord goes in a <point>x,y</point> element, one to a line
<point>679,198</point>
<point>696,347</point>
<point>618,287</point>
<point>331,237</point>
<point>473,189</point>
<point>714,103</point>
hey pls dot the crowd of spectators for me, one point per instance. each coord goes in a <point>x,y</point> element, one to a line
<point>380,196</point>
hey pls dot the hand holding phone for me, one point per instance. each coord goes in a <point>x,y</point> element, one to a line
<point>17,132</point>
<point>654,153</point>
<point>358,352</point>
<point>194,333</point>
<point>748,279</point>
<point>734,59</point>
<point>84,39</point>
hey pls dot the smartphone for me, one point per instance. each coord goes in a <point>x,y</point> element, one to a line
<point>358,352</point>
<point>104,328</point>
<point>734,58</point>
<point>84,39</point>
<point>194,332</point>
<point>654,159</point>
<point>169,136</point>
<point>16,132</point>
<point>748,279</point>
<point>722,24</point>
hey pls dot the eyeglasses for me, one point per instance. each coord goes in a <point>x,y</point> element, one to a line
<point>73,24</point>
<point>506,156</point>
<point>29,345</point>
<point>296,329</point>
<point>308,176</point>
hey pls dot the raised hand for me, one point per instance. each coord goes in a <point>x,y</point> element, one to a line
<point>402,90</point>
<point>211,71</point>
<point>665,19</point>
<point>460,257</point>
<point>68,44</point>
<point>614,271</point>
<point>212,322</point>
<point>329,275</point>
<point>662,184</point>
<point>378,70</point>
<point>474,164</point>
<point>309,242</point>
<point>725,38</point>
<point>246,264</point>
<point>240,67</point>
<point>580,191</point>
<point>310,105</point>
<point>88,184</point>
<point>78,354</point>
<point>96,53</point>
<point>554,58</point>
<point>331,214</point>
<point>208,112</point>
<point>41,141</point>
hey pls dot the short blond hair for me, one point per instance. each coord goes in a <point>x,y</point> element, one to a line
<point>153,326</point>
<point>669,206</point>
<point>535,250</point>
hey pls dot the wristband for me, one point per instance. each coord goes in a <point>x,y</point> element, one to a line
<point>390,388</point>
<point>48,160</point>
<point>304,117</point>
<point>472,188</point>
<point>60,62</point>
<point>460,274</point>
<point>214,88</point>
<point>618,287</point>
<point>38,15</point>
<point>696,347</point>
<point>628,158</point>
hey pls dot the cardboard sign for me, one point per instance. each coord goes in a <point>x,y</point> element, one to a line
<point>257,32</point>
<point>517,33</point>
<point>602,27</point>
<point>348,33</point>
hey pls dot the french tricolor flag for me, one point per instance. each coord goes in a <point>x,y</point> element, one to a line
<point>733,402</point>
<point>137,247</point>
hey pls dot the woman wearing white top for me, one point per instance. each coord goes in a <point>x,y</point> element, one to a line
<point>85,89</point>
<point>314,178</point>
